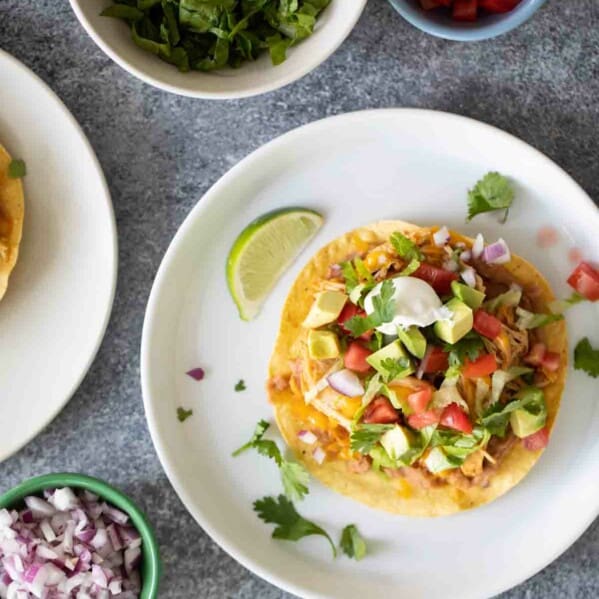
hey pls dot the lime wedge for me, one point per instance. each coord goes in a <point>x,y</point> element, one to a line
<point>263,251</point>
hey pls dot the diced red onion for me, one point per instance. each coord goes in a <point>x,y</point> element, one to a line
<point>441,237</point>
<point>307,437</point>
<point>450,265</point>
<point>478,246</point>
<point>466,256</point>
<point>319,455</point>
<point>497,253</point>
<point>346,382</point>
<point>468,275</point>
<point>196,373</point>
<point>63,499</point>
<point>115,515</point>
<point>39,508</point>
<point>132,558</point>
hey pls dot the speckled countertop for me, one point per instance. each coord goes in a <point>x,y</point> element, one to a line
<point>540,83</point>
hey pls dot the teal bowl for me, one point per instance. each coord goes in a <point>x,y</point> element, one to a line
<point>151,567</point>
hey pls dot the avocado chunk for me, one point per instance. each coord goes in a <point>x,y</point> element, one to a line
<point>414,341</point>
<point>379,360</point>
<point>438,461</point>
<point>323,345</point>
<point>326,309</point>
<point>525,423</point>
<point>452,329</point>
<point>471,297</point>
<point>396,442</point>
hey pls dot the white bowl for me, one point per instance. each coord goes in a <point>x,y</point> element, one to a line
<point>113,36</point>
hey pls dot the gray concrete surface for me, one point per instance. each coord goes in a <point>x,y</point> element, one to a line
<point>161,152</point>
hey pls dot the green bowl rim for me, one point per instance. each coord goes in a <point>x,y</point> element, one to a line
<point>151,564</point>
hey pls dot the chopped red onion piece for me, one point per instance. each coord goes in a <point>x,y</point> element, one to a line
<point>132,558</point>
<point>469,276</point>
<point>39,508</point>
<point>450,265</point>
<point>441,237</point>
<point>497,253</point>
<point>466,256</point>
<point>307,437</point>
<point>115,515</point>
<point>196,373</point>
<point>346,382</point>
<point>478,246</point>
<point>319,455</point>
<point>63,499</point>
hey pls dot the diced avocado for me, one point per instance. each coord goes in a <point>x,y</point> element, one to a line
<point>414,341</point>
<point>396,442</point>
<point>471,297</point>
<point>323,345</point>
<point>326,309</point>
<point>526,423</point>
<point>438,461</point>
<point>380,458</point>
<point>395,352</point>
<point>459,324</point>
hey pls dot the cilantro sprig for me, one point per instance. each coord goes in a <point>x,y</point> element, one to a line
<point>290,526</point>
<point>294,476</point>
<point>468,347</point>
<point>407,250</point>
<point>17,169</point>
<point>183,414</point>
<point>366,436</point>
<point>240,386</point>
<point>383,310</point>
<point>492,192</point>
<point>352,543</point>
<point>586,358</point>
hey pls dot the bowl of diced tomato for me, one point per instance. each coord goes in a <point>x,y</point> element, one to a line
<point>466,20</point>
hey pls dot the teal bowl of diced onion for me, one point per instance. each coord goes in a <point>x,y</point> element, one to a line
<point>135,533</point>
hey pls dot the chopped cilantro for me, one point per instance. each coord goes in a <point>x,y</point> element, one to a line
<point>586,358</point>
<point>492,192</point>
<point>17,169</point>
<point>183,414</point>
<point>290,525</point>
<point>352,543</point>
<point>240,386</point>
<point>294,476</point>
<point>350,275</point>
<point>468,347</point>
<point>394,368</point>
<point>383,311</point>
<point>497,416</point>
<point>405,247</point>
<point>364,438</point>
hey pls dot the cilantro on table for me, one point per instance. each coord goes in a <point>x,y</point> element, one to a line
<point>529,320</point>
<point>407,250</point>
<point>586,358</point>
<point>17,169</point>
<point>183,414</point>
<point>364,438</point>
<point>294,476</point>
<point>383,311</point>
<point>352,543</point>
<point>492,192</point>
<point>290,525</point>
<point>240,386</point>
<point>204,35</point>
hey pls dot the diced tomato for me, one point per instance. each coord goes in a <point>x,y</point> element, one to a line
<point>536,441</point>
<point>423,419</point>
<point>551,361</point>
<point>380,411</point>
<point>454,417</point>
<point>536,354</point>
<point>464,10</point>
<point>483,366</point>
<point>585,280</point>
<point>486,324</point>
<point>434,360</point>
<point>349,311</point>
<point>420,399</point>
<point>438,278</point>
<point>498,5</point>
<point>355,357</point>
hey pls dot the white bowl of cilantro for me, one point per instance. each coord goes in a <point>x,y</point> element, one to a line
<point>224,50</point>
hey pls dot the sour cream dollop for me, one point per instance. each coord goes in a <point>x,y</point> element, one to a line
<point>416,303</point>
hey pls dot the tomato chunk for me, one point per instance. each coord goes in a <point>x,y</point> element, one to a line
<point>420,399</point>
<point>486,324</point>
<point>438,278</point>
<point>585,280</point>
<point>551,361</point>
<point>435,360</point>
<point>454,417</point>
<point>536,354</point>
<point>498,5</point>
<point>423,419</point>
<point>536,441</point>
<point>464,10</point>
<point>483,366</point>
<point>355,357</point>
<point>349,311</point>
<point>380,411</point>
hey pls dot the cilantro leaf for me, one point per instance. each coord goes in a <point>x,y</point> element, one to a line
<point>383,311</point>
<point>183,414</point>
<point>405,247</point>
<point>290,525</point>
<point>294,476</point>
<point>364,438</point>
<point>468,347</point>
<point>492,192</point>
<point>394,368</point>
<point>350,275</point>
<point>358,325</point>
<point>240,386</point>
<point>17,169</point>
<point>352,543</point>
<point>529,320</point>
<point>586,358</point>
<point>497,416</point>
<point>363,272</point>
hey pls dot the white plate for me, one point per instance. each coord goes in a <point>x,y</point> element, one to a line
<point>59,297</point>
<point>357,168</point>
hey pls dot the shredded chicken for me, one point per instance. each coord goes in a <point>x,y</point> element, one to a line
<point>359,465</point>
<point>419,477</point>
